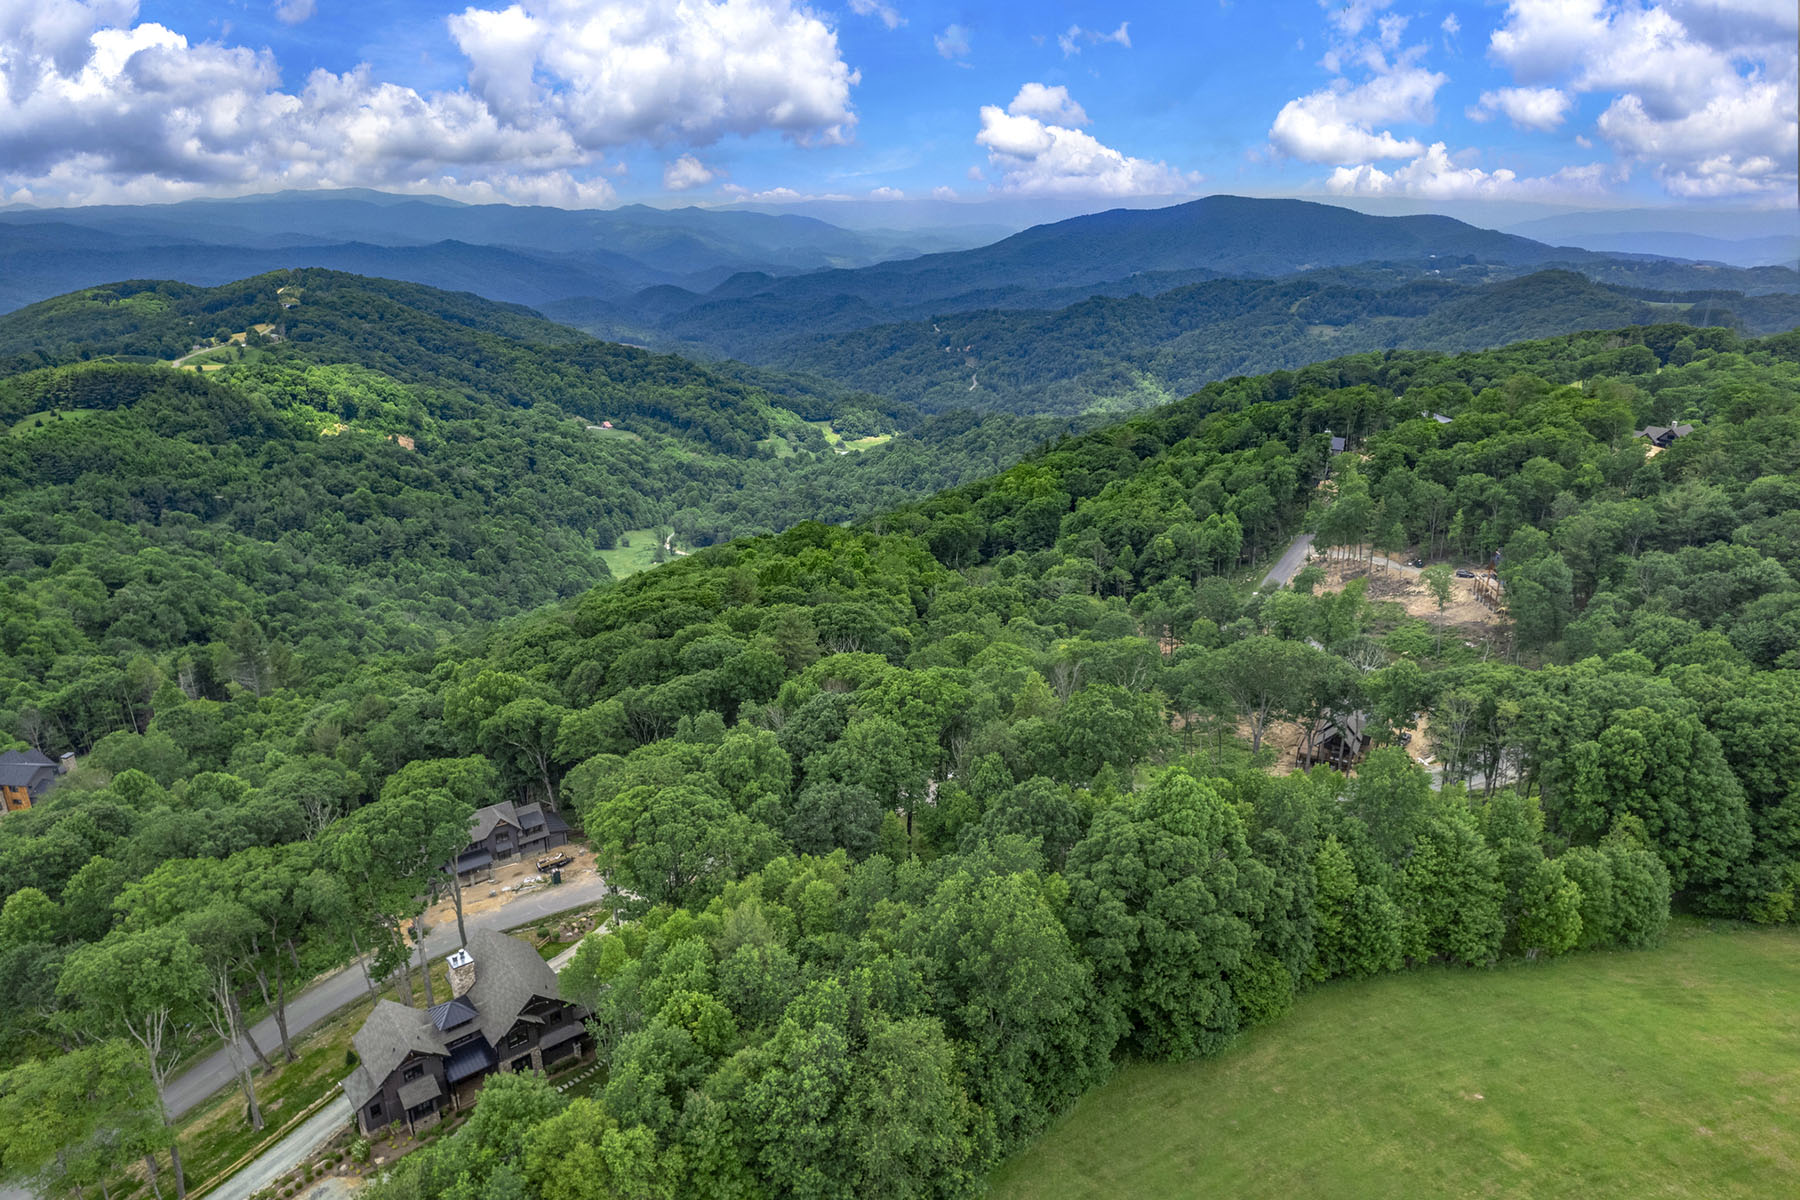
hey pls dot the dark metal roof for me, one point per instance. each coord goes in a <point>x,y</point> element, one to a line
<point>468,1060</point>
<point>453,1012</point>
<point>474,860</point>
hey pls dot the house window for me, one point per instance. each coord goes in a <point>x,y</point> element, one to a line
<point>375,1111</point>
<point>517,1037</point>
<point>411,1073</point>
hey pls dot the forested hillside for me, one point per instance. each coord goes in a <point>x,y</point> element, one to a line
<point>1122,353</point>
<point>398,465</point>
<point>929,821</point>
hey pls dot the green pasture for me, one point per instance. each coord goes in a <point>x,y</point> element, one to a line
<point>1672,1072</point>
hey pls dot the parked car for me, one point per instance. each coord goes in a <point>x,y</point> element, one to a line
<point>1462,573</point>
<point>1417,562</point>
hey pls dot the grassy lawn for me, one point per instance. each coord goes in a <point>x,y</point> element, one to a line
<point>837,441</point>
<point>1668,1073</point>
<point>44,418</point>
<point>629,560</point>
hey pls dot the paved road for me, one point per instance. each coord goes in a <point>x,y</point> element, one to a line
<point>286,1154</point>
<point>1290,562</point>
<point>346,986</point>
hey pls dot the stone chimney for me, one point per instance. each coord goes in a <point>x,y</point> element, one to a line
<point>462,972</point>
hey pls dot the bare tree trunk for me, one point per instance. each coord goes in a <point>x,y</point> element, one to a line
<point>456,902</point>
<point>406,979</point>
<point>237,1015</point>
<point>287,1044</point>
<point>424,964</point>
<point>363,962</point>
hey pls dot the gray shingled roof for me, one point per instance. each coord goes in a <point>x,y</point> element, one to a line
<point>24,768</point>
<point>420,1090</point>
<point>485,819</point>
<point>508,973</point>
<point>359,1089</point>
<point>392,1032</point>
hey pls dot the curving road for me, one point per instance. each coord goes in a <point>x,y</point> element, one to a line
<point>1290,562</point>
<point>346,986</point>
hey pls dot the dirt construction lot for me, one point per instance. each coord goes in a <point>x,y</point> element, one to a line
<point>1396,584</point>
<point>509,881</point>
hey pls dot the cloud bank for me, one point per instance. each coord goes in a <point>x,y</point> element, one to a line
<point>97,106</point>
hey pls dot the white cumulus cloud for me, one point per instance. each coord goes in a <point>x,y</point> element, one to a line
<point>1051,104</point>
<point>294,12</point>
<point>1034,154</point>
<point>1703,92</point>
<point>1337,124</point>
<point>953,42</point>
<point>686,172</point>
<point>97,106</point>
<point>1539,108</point>
<point>1435,175</point>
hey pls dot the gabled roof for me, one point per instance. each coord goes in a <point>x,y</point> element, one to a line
<point>425,1087</point>
<point>23,768</point>
<point>486,819</point>
<point>508,973</point>
<point>392,1032</point>
<point>1349,726</point>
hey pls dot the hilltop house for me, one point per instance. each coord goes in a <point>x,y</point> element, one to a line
<point>25,775</point>
<point>1663,436</point>
<point>502,831</point>
<point>503,1014</point>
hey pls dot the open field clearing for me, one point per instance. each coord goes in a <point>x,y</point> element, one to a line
<point>1673,1072</point>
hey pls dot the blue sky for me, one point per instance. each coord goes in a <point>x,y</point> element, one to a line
<point>596,102</point>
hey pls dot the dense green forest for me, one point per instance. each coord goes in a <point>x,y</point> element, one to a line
<point>931,820</point>
<point>278,519</point>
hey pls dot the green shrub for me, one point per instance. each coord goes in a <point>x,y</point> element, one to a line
<point>359,1150</point>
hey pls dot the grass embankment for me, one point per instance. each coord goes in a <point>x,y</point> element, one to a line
<point>1673,1072</point>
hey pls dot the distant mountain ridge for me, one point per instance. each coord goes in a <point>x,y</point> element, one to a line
<point>509,253</point>
<point>1121,253</point>
<point>1110,353</point>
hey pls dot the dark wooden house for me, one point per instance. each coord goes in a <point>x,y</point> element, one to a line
<point>25,775</point>
<point>1337,740</point>
<point>501,832</point>
<point>504,1014</point>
